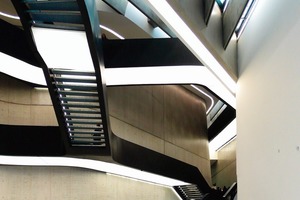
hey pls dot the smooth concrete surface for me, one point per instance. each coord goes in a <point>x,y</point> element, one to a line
<point>224,169</point>
<point>268,113</point>
<point>35,183</point>
<point>21,104</point>
<point>167,119</point>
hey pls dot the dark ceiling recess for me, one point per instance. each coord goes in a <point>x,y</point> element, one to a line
<point>30,141</point>
<point>147,52</point>
<point>14,43</point>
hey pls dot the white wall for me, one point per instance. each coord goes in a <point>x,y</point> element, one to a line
<point>268,155</point>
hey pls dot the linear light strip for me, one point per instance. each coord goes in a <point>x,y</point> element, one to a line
<point>169,75</point>
<point>9,16</point>
<point>226,135</point>
<point>112,32</point>
<point>21,70</point>
<point>100,166</point>
<point>186,35</point>
<point>245,17</point>
<point>212,102</point>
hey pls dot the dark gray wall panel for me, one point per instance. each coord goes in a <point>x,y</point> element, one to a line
<point>208,6</point>
<point>231,18</point>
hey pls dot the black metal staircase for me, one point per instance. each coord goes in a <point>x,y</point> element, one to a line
<point>78,95</point>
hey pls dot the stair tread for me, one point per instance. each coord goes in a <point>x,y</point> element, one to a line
<point>51,17</point>
<point>88,137</point>
<point>82,122</point>
<point>85,132</point>
<point>87,145</point>
<point>81,111</point>
<point>84,127</point>
<point>78,93</point>
<point>77,87</point>
<point>82,117</point>
<point>73,99</point>
<point>53,5</point>
<point>88,142</point>
<point>56,26</point>
<point>82,80</point>
<point>72,72</point>
<point>80,105</point>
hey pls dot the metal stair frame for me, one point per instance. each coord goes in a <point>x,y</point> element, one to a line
<point>91,23</point>
<point>26,21</point>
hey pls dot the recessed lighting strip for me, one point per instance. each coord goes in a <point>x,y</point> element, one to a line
<point>9,16</point>
<point>112,32</point>
<point>212,102</point>
<point>223,138</point>
<point>105,167</point>
<point>186,35</point>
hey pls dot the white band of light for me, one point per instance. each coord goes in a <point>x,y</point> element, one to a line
<point>9,16</point>
<point>186,35</point>
<point>90,164</point>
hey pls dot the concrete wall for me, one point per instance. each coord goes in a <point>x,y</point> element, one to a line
<point>166,119</point>
<point>268,152</point>
<point>224,169</point>
<point>21,104</point>
<point>73,183</point>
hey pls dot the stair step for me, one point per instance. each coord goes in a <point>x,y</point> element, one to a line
<point>79,99</point>
<point>78,93</point>
<point>80,105</point>
<point>72,72</point>
<point>52,17</point>
<point>77,87</point>
<point>75,80</point>
<point>81,111</point>
<point>86,132</point>
<point>82,117</point>
<point>56,26</point>
<point>82,122</point>
<point>88,145</point>
<point>87,142</point>
<point>88,137</point>
<point>52,5</point>
<point>83,127</point>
